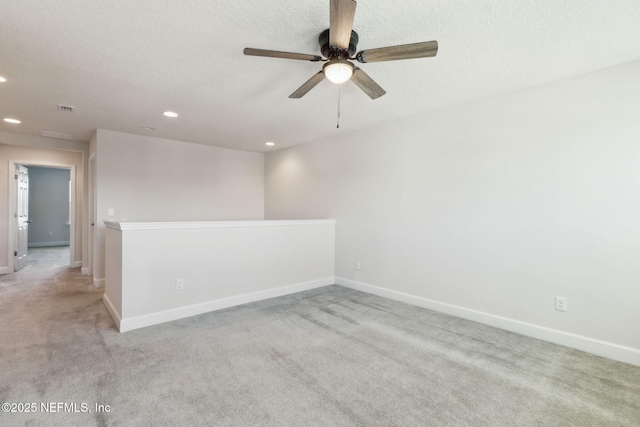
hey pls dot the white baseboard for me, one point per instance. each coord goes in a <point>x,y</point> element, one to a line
<point>580,342</point>
<point>128,324</point>
<point>5,270</point>
<point>84,271</point>
<point>77,264</point>
<point>112,310</point>
<point>47,244</point>
<point>98,283</point>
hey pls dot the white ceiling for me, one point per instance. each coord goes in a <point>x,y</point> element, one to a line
<point>122,63</point>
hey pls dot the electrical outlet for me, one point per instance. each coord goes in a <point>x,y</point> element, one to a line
<point>357,266</point>
<point>179,284</point>
<point>561,304</point>
<point>110,212</point>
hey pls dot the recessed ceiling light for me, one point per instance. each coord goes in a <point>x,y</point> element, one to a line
<point>270,144</point>
<point>14,121</point>
<point>148,128</point>
<point>170,114</point>
<point>2,79</point>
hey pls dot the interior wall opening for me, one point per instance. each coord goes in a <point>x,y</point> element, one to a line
<point>43,203</point>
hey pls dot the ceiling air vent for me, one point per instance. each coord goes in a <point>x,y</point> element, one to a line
<point>66,108</point>
<point>58,135</point>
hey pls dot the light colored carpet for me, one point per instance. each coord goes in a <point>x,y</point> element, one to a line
<point>327,357</point>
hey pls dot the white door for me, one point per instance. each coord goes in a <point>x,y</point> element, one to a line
<point>22,216</point>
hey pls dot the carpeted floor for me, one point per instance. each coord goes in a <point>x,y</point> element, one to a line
<point>326,357</point>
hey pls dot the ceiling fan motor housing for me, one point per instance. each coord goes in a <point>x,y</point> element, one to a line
<point>330,52</point>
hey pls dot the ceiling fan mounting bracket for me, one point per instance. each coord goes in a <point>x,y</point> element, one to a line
<point>331,52</point>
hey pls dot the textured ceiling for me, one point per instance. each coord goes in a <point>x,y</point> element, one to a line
<point>122,63</point>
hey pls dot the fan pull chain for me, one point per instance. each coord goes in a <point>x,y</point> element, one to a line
<point>338,125</point>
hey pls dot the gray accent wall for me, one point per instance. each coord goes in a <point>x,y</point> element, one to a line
<point>48,206</point>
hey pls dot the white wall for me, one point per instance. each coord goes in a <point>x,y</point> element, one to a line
<point>41,151</point>
<point>152,179</point>
<point>221,264</point>
<point>491,209</point>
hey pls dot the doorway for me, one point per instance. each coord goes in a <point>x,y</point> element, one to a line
<point>45,232</point>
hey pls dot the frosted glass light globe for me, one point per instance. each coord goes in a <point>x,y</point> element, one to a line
<point>338,71</point>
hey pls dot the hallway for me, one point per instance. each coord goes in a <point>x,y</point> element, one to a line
<point>44,265</point>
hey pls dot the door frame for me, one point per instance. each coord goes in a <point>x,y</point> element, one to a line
<point>11,241</point>
<point>91,215</point>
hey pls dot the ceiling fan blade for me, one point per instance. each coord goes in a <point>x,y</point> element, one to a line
<point>341,15</point>
<point>278,54</point>
<point>308,85</point>
<point>366,83</point>
<point>393,53</point>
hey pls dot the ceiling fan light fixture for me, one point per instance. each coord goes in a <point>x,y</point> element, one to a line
<point>339,46</point>
<point>338,71</point>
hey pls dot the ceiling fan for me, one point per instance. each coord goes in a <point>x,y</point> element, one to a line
<point>338,46</point>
